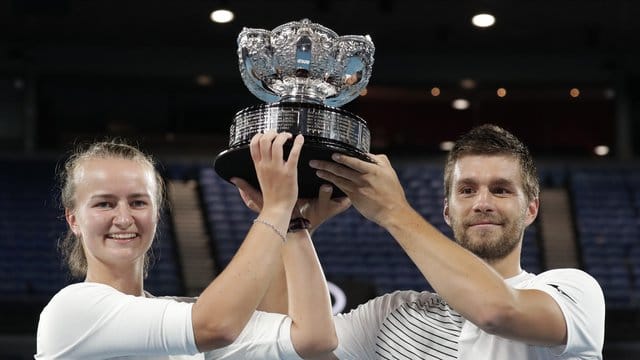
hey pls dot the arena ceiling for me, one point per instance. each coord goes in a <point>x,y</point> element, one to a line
<point>536,49</point>
<point>417,41</point>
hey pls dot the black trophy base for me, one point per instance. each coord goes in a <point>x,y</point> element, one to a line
<point>236,162</point>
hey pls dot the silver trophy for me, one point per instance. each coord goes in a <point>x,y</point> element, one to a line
<point>304,72</point>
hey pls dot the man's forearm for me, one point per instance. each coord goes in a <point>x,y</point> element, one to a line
<point>468,284</point>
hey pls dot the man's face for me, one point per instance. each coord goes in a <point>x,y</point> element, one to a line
<point>487,208</point>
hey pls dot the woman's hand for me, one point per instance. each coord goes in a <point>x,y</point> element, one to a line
<point>278,178</point>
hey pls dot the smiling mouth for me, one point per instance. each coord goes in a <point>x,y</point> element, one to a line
<point>483,225</point>
<point>123,237</point>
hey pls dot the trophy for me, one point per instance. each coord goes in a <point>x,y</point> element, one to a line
<point>304,72</point>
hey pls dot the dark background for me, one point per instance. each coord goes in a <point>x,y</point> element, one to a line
<point>86,69</point>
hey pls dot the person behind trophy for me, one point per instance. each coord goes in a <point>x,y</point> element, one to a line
<point>112,196</point>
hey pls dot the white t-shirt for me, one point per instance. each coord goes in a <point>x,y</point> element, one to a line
<point>582,303</point>
<point>95,321</point>
<point>408,324</point>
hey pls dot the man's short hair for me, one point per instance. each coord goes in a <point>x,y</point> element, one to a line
<point>489,139</point>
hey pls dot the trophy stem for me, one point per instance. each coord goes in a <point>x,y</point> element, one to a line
<point>302,97</point>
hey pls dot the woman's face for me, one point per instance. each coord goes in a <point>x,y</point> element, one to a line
<point>115,213</point>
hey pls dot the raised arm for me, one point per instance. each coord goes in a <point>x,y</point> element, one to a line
<point>225,306</point>
<point>468,284</point>
<point>312,329</point>
<point>303,293</point>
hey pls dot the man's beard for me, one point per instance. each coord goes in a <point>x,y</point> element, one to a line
<point>490,244</point>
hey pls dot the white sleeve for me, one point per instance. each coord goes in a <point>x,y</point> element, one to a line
<point>358,330</point>
<point>90,320</point>
<point>582,303</point>
<point>266,336</point>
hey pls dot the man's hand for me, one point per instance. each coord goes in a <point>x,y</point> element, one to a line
<point>322,208</point>
<point>251,196</point>
<point>374,188</point>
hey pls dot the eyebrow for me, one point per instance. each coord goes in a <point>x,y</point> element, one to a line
<point>503,182</point>
<point>493,182</point>
<point>466,181</point>
<point>111,196</point>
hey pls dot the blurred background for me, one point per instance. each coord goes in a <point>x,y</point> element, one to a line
<point>562,75</point>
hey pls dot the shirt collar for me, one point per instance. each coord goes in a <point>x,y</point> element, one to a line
<point>514,280</point>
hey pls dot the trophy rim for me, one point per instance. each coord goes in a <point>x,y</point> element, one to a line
<point>306,23</point>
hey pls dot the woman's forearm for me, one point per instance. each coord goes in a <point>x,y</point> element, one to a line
<point>312,329</point>
<point>226,305</point>
<point>275,299</point>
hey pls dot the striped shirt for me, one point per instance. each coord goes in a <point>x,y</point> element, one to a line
<point>400,325</point>
<point>413,325</point>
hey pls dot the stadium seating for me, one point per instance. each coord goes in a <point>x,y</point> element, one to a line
<point>164,277</point>
<point>30,225</point>
<point>606,215</point>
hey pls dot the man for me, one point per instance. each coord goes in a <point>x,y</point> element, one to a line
<point>486,306</point>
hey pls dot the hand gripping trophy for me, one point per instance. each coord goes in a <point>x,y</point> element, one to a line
<point>304,72</point>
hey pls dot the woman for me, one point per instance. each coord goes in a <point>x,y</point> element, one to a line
<point>112,196</point>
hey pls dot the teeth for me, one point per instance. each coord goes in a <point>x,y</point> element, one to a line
<point>122,236</point>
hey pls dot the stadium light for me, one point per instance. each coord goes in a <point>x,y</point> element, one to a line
<point>460,104</point>
<point>483,20</point>
<point>222,16</point>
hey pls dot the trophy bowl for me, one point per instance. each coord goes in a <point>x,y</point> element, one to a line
<point>303,72</point>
